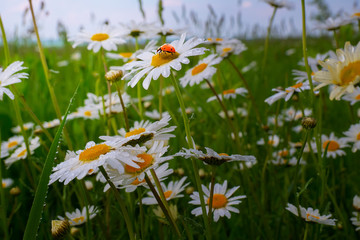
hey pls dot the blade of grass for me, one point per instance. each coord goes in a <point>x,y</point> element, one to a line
<point>41,191</point>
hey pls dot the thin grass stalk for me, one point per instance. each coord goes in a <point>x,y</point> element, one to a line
<point>211,197</point>
<point>85,198</point>
<point>266,46</point>
<point>2,199</point>
<point>127,127</point>
<point>193,160</point>
<point>306,230</point>
<point>161,204</point>
<point>138,87</point>
<point>109,90</point>
<point>6,46</point>
<point>47,76</point>
<point>141,217</point>
<point>121,204</point>
<point>336,39</point>
<point>41,191</point>
<point>296,174</point>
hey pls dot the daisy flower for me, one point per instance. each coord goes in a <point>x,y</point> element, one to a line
<point>291,114</point>
<point>229,47</point>
<point>10,144</point>
<point>203,70</point>
<point>273,140</point>
<point>83,162</point>
<point>356,220</point>
<point>353,135</point>
<point>311,215</point>
<point>158,63</point>
<point>171,191</point>
<point>356,202</point>
<point>26,126</point>
<point>50,124</point>
<point>332,23</point>
<point>215,41</point>
<point>288,93</point>
<point>333,144</point>
<point>222,201</point>
<point>343,73</point>
<point>161,216</point>
<point>246,165</point>
<point>6,182</point>
<point>77,218</point>
<point>87,112</point>
<point>137,29</point>
<point>144,131</point>
<point>284,157</point>
<point>353,97</point>
<point>11,76</point>
<point>21,153</point>
<point>230,93</point>
<point>279,3</point>
<point>105,37</point>
<point>213,158</point>
<point>129,56</point>
<point>155,114</point>
<point>272,120</point>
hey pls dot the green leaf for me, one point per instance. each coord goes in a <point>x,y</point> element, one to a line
<point>41,191</point>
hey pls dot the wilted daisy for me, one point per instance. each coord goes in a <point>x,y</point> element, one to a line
<point>10,145</point>
<point>6,182</point>
<point>11,76</point>
<point>353,136</point>
<point>83,162</point>
<point>77,218</point>
<point>213,158</point>
<point>158,63</point>
<point>105,37</point>
<point>144,131</point>
<point>279,3</point>
<point>171,191</point>
<point>230,93</point>
<point>229,47</point>
<point>203,70</point>
<point>222,203</point>
<point>21,152</point>
<point>343,73</point>
<point>333,144</point>
<point>288,93</point>
<point>356,220</point>
<point>26,126</point>
<point>353,97</point>
<point>311,215</point>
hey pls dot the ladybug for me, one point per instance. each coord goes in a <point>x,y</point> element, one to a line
<point>166,48</point>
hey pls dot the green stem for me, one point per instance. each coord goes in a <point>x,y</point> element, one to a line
<point>6,47</point>
<point>194,164</point>
<point>142,228</point>
<point>161,95</point>
<point>213,170</point>
<point>127,127</point>
<point>336,39</point>
<point>266,47</point>
<point>121,203</point>
<point>2,198</point>
<point>298,160</point>
<point>138,87</point>
<point>306,231</point>
<point>84,197</point>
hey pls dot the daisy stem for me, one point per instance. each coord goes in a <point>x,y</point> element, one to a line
<point>298,160</point>
<point>162,205</point>
<point>193,160</point>
<point>232,126</point>
<point>138,87</point>
<point>6,46</point>
<point>2,198</point>
<point>266,46</point>
<point>121,203</point>
<point>336,39</point>
<point>308,71</point>
<point>123,107</point>
<point>108,88</point>
<point>86,203</point>
<point>252,99</point>
<point>47,77</point>
<point>306,231</point>
<point>160,95</point>
<point>213,171</point>
<point>358,24</point>
<point>142,228</point>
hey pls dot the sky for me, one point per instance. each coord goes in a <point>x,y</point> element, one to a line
<point>90,13</point>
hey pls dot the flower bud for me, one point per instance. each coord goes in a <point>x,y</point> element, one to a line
<point>308,123</point>
<point>59,228</point>
<point>113,75</point>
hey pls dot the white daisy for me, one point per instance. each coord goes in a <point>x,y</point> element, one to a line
<point>26,126</point>
<point>222,201</point>
<point>116,106</point>
<point>356,220</point>
<point>286,157</point>
<point>155,114</point>
<point>246,165</point>
<point>332,23</point>
<point>273,140</point>
<point>105,37</point>
<point>215,41</point>
<point>50,124</point>
<point>229,47</point>
<point>130,56</point>
<point>21,153</point>
<point>291,114</point>
<point>333,144</point>
<point>288,93</point>
<point>11,76</point>
<point>86,112</point>
<point>137,29</point>
<point>156,63</point>
<point>143,132</point>
<point>6,182</point>
<point>203,70</point>
<point>279,3</point>
<point>314,61</point>
<point>311,215</point>
<point>343,73</point>
<point>356,202</point>
<point>171,191</point>
<point>83,162</point>
<point>213,158</point>
<point>353,97</point>
<point>10,145</point>
<point>353,136</point>
<point>230,93</point>
<point>77,218</point>
<point>272,120</point>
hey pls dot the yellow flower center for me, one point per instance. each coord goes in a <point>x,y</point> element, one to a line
<point>310,215</point>
<point>3,184</point>
<point>137,182</point>
<point>223,154</point>
<point>299,85</point>
<point>229,91</point>
<point>333,145</point>
<point>356,14</point>
<point>358,136</point>
<point>148,160</point>
<point>162,58</point>
<point>94,152</point>
<point>219,201</point>
<point>198,69</point>
<point>22,153</point>
<point>357,97</point>
<point>134,132</point>
<point>209,39</point>
<point>12,144</point>
<point>167,194</point>
<point>87,113</point>
<point>126,54</point>
<point>284,153</point>
<point>350,73</point>
<point>271,142</point>
<point>99,37</point>
<point>227,49</point>
<point>218,39</point>
<point>79,219</point>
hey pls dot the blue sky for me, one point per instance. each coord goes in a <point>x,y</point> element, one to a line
<point>76,13</point>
